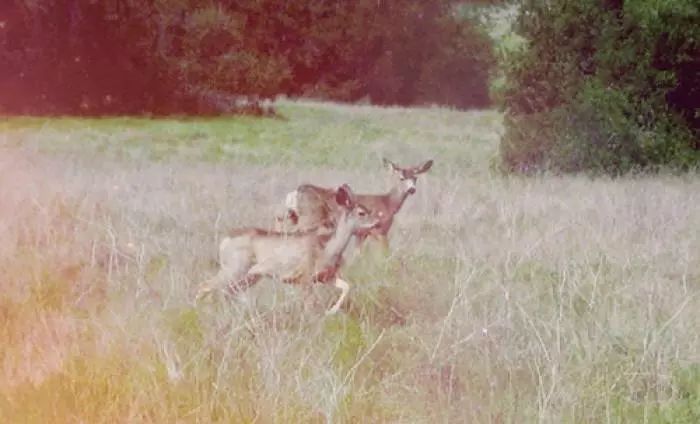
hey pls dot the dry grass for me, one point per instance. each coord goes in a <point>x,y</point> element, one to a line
<point>549,299</point>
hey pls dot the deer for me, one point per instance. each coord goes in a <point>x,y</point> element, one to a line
<point>311,206</point>
<point>303,257</point>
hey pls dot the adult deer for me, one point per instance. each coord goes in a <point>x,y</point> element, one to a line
<point>311,206</point>
<point>303,257</point>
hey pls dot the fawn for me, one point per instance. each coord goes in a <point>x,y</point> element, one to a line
<point>313,207</point>
<point>311,256</point>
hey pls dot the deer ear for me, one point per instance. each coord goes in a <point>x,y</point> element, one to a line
<point>391,166</point>
<point>344,196</point>
<point>426,166</point>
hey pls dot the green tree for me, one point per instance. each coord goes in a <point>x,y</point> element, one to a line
<point>603,85</point>
<point>186,56</point>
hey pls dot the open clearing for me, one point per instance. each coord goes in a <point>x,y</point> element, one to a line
<point>505,299</point>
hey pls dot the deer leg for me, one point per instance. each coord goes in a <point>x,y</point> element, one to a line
<point>234,264</point>
<point>242,284</point>
<point>369,244</point>
<point>344,289</point>
<point>383,241</point>
<point>360,241</point>
<point>224,276</point>
<point>309,298</point>
<point>204,289</point>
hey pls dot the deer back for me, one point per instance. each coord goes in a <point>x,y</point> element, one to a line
<point>289,257</point>
<point>316,207</point>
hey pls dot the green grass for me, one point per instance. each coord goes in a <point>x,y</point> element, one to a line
<point>303,135</point>
<point>502,299</point>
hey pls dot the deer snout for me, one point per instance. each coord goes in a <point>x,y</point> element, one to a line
<point>410,185</point>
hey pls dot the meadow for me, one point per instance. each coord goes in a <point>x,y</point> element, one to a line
<point>558,299</point>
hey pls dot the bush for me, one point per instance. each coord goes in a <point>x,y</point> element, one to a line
<point>613,96</point>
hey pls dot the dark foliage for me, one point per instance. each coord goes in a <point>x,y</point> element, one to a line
<point>186,56</point>
<point>604,86</point>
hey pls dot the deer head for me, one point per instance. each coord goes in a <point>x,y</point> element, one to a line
<point>407,177</point>
<point>357,216</point>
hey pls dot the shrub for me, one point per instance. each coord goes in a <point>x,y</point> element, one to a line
<point>603,97</point>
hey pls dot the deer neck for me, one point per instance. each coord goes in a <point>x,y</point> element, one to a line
<point>335,246</point>
<point>396,196</point>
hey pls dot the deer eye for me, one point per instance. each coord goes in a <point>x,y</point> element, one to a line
<point>362,213</point>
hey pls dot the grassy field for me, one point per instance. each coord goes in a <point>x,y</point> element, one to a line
<point>504,299</point>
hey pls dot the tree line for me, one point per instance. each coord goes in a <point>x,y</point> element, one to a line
<point>595,85</point>
<point>187,56</point>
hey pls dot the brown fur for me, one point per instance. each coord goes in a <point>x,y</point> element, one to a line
<point>312,256</point>
<point>316,208</point>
